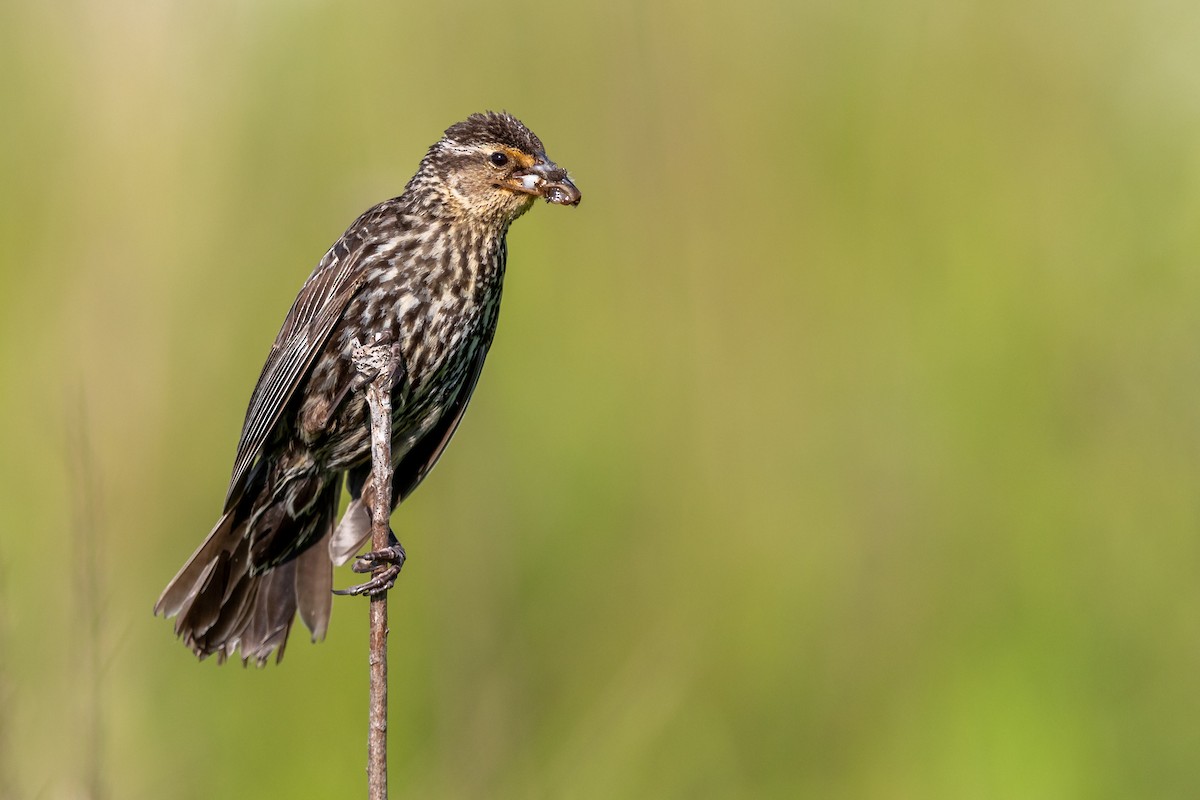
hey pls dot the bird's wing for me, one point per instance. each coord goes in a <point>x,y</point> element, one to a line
<point>424,455</point>
<point>316,310</point>
<point>352,533</point>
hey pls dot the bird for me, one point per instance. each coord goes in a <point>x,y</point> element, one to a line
<point>423,272</point>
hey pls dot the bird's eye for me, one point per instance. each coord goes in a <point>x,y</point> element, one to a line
<point>498,159</point>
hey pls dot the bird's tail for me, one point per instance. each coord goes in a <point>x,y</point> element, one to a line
<point>221,604</point>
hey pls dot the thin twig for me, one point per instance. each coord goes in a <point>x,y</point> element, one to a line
<point>379,399</point>
<point>7,784</point>
<point>87,534</point>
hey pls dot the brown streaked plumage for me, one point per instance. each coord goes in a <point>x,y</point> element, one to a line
<point>423,271</point>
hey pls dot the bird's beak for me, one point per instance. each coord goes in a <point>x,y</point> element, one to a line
<point>548,180</point>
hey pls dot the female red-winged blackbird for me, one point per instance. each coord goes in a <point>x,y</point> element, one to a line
<point>422,273</point>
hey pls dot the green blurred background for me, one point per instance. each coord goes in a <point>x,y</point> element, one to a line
<point>844,442</point>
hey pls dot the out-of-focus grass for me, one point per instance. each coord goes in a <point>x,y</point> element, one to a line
<point>843,443</point>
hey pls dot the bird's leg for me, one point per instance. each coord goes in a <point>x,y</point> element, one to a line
<point>390,559</point>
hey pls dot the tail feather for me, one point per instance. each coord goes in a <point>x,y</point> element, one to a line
<point>314,586</point>
<point>271,620</point>
<point>183,587</point>
<point>204,610</point>
<point>238,600</point>
<point>351,534</point>
<point>222,606</point>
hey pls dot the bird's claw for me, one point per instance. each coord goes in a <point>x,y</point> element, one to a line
<point>378,585</point>
<point>388,561</point>
<point>393,555</point>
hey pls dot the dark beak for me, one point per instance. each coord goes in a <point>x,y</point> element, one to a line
<point>548,180</point>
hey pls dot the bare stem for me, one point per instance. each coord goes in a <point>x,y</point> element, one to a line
<point>379,399</point>
<point>87,533</point>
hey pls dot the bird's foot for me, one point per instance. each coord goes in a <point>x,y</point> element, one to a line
<point>388,561</point>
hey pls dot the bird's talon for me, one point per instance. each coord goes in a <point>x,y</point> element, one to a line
<point>393,555</point>
<point>378,585</point>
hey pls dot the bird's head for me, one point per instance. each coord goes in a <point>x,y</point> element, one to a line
<point>492,167</point>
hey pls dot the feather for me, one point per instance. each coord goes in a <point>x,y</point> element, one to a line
<point>312,317</point>
<point>314,571</point>
<point>186,582</point>
<point>351,534</point>
<point>271,619</point>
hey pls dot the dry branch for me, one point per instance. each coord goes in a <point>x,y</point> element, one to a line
<point>379,360</point>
